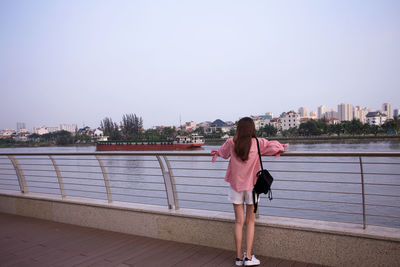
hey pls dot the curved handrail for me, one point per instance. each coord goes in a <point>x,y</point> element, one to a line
<point>183,173</point>
<point>135,153</point>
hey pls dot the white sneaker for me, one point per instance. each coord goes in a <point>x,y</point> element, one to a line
<point>239,262</point>
<point>251,262</point>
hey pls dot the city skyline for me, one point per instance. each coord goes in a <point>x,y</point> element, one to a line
<point>318,115</point>
<point>81,61</point>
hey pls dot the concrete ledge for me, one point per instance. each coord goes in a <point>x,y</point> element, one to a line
<point>327,243</point>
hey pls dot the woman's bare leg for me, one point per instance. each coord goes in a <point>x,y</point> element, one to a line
<point>238,232</point>
<point>250,218</point>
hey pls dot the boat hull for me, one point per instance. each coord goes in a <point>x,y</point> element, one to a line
<point>144,147</point>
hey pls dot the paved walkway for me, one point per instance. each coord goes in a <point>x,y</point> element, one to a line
<point>33,242</point>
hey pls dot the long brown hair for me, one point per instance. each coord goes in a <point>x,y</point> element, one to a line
<point>245,131</point>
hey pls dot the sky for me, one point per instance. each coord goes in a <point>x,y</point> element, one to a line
<point>80,61</point>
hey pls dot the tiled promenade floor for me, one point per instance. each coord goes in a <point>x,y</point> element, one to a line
<point>32,242</point>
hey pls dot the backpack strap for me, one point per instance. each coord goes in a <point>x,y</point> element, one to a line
<point>255,195</point>
<point>255,200</point>
<point>259,154</point>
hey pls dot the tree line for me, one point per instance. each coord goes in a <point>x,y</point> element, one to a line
<point>131,129</point>
<point>321,127</point>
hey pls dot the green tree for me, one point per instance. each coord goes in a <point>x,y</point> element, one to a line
<point>152,135</point>
<point>366,129</point>
<point>7,141</point>
<point>34,137</point>
<point>269,130</point>
<point>391,126</point>
<point>290,132</point>
<point>131,126</point>
<point>311,128</point>
<point>232,131</point>
<point>110,129</point>
<point>336,129</point>
<point>82,138</point>
<point>63,138</point>
<point>353,127</point>
<point>169,133</point>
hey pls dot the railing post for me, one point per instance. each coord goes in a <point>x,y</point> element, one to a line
<point>363,194</point>
<point>106,181</point>
<point>20,175</point>
<point>60,181</point>
<point>172,180</point>
<point>167,183</point>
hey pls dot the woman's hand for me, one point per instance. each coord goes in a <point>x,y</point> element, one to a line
<point>284,146</point>
<point>215,155</point>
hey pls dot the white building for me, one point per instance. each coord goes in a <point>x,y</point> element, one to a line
<point>6,133</point>
<point>275,122</point>
<point>387,109</point>
<point>45,130</point>
<point>259,122</point>
<point>206,125</point>
<point>190,126</point>
<point>98,133</point>
<point>40,130</point>
<point>72,128</point>
<point>376,118</point>
<point>333,121</point>
<point>321,112</point>
<point>303,112</point>
<point>313,114</point>
<point>345,112</point>
<point>289,120</point>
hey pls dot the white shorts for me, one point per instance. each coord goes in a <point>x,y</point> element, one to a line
<point>240,197</point>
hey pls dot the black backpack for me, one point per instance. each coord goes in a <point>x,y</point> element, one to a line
<point>263,184</point>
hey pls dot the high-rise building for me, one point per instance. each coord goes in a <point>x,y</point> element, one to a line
<point>361,113</point>
<point>332,114</point>
<point>21,126</point>
<point>345,112</point>
<point>269,115</point>
<point>387,109</point>
<point>321,112</point>
<point>303,112</point>
<point>313,114</point>
<point>396,113</point>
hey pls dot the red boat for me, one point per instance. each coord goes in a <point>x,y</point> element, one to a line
<point>180,143</point>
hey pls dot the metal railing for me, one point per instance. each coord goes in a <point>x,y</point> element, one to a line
<point>361,188</point>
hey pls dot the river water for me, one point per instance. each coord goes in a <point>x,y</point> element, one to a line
<point>311,188</point>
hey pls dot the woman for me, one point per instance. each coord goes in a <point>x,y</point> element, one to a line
<point>241,174</point>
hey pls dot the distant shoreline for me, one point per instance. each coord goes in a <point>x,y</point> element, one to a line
<point>22,145</point>
<point>321,139</point>
<point>220,141</point>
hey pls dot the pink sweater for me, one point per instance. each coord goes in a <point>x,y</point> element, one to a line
<point>242,175</point>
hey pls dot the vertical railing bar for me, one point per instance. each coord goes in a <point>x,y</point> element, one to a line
<point>60,181</point>
<point>167,182</point>
<point>20,175</point>
<point>105,176</point>
<point>363,194</point>
<point>172,179</point>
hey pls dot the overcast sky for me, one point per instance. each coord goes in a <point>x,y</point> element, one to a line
<point>81,61</point>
